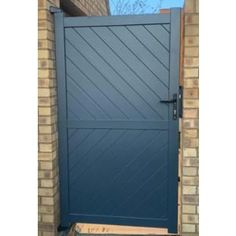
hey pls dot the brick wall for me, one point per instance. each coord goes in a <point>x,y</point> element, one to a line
<point>48,185</point>
<point>190,120</point>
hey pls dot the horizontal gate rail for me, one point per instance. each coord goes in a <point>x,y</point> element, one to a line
<point>116,20</point>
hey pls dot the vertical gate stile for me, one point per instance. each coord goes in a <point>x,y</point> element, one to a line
<point>62,116</point>
<point>173,124</point>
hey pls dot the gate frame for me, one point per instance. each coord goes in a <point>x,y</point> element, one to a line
<point>61,23</point>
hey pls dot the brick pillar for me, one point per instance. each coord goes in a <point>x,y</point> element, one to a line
<point>190,120</point>
<point>47,134</point>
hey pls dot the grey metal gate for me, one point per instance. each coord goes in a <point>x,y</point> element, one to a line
<point>118,118</point>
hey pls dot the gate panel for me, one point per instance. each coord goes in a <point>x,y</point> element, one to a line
<point>118,142</point>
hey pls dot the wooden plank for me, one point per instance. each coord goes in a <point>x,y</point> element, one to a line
<point>117,229</point>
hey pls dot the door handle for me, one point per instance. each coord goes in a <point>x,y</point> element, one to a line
<point>174,101</point>
<point>168,101</point>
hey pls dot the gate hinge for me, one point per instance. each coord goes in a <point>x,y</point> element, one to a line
<point>180,98</point>
<point>54,9</point>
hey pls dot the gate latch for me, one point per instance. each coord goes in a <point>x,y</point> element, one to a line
<point>174,101</point>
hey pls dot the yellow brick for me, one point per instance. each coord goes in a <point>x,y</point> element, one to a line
<point>190,123</point>
<point>191,51</point>
<point>191,83</point>
<point>193,72</point>
<point>191,209</point>
<point>189,190</point>
<point>46,209</point>
<point>46,73</point>
<point>45,34</point>
<point>189,6</point>
<point>188,228</point>
<point>47,129</point>
<point>197,6</point>
<point>47,183</point>
<point>47,200</point>
<point>42,4</point>
<point>44,92</point>
<point>47,120</point>
<point>44,101</point>
<point>46,165</point>
<point>50,147</point>
<point>191,62</point>
<point>45,111</point>
<point>191,19</point>
<point>47,156</point>
<point>190,113</point>
<point>46,64</point>
<point>46,191</point>
<point>48,218</point>
<point>190,142</point>
<point>190,162</point>
<point>190,180</point>
<point>191,30</point>
<point>190,219</point>
<point>45,25</point>
<point>191,93</point>
<point>190,171</point>
<point>190,152</point>
<point>191,41</point>
<point>191,103</point>
<point>190,133</point>
<point>46,138</point>
<point>46,54</point>
<point>42,174</point>
<point>46,83</point>
<point>44,44</point>
<point>42,14</point>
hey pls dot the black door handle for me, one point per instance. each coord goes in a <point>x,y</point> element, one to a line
<point>174,101</point>
<point>169,101</point>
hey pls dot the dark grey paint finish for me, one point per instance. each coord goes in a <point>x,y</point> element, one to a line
<point>118,145</point>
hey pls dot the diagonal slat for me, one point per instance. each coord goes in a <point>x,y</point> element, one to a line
<point>80,143</point>
<point>166,27</point>
<point>97,141</point>
<point>116,178</point>
<point>74,88</point>
<point>159,33</point>
<point>131,60</point>
<point>141,53</point>
<point>139,189</point>
<point>157,191</point>
<point>151,44</point>
<point>89,84</point>
<point>78,137</point>
<point>92,163</point>
<point>111,76</point>
<point>76,109</point>
<point>127,78</point>
<point>114,92</point>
